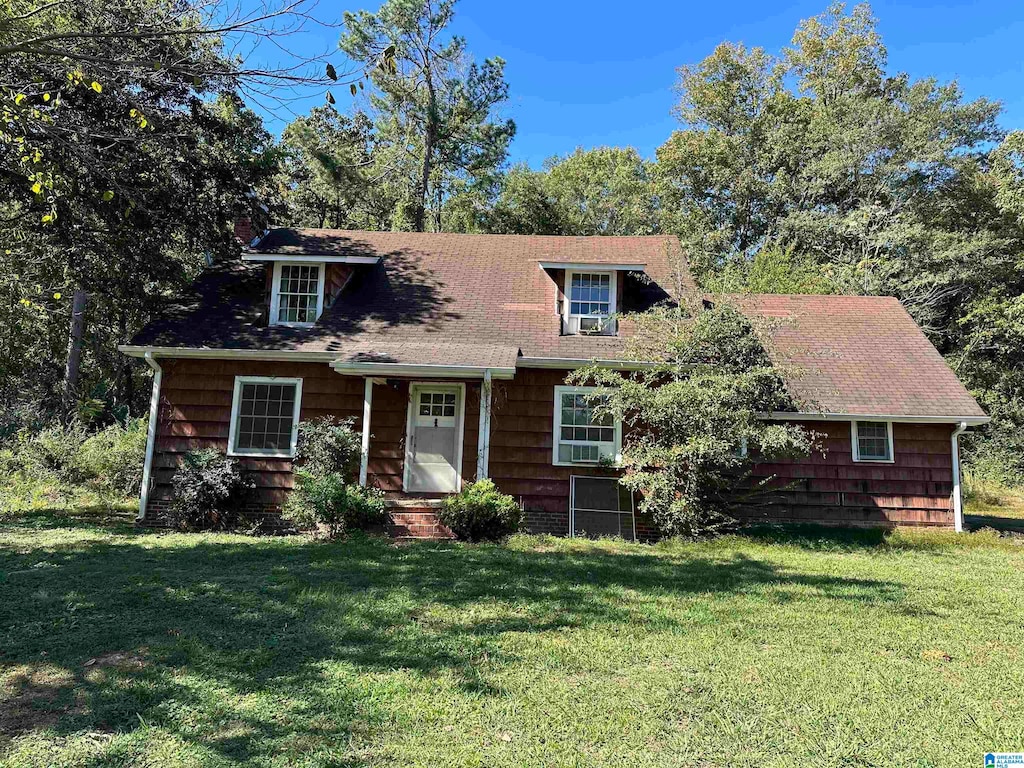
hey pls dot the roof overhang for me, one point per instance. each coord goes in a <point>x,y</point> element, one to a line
<point>327,258</point>
<point>228,354</point>
<point>897,417</point>
<point>595,266</point>
<point>579,362</point>
<point>394,370</point>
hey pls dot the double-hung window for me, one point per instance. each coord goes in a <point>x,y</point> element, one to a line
<point>582,435</point>
<point>297,295</point>
<point>872,441</point>
<point>265,416</point>
<point>590,302</point>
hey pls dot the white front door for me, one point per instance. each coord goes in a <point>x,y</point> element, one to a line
<point>434,439</point>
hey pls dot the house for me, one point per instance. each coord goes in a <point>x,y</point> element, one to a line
<point>451,351</point>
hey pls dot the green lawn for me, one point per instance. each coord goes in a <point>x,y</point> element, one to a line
<point>126,648</point>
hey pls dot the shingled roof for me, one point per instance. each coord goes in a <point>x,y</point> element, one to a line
<point>859,355</point>
<point>482,290</point>
<point>486,301</point>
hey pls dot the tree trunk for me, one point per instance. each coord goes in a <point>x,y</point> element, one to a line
<point>74,356</point>
<point>419,220</point>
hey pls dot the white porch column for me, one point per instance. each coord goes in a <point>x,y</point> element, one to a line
<point>364,449</point>
<point>484,438</point>
<point>154,417</point>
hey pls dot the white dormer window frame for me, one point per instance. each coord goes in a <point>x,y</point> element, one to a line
<point>275,292</point>
<point>571,321</point>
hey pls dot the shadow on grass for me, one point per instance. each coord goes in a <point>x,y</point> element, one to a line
<point>140,628</point>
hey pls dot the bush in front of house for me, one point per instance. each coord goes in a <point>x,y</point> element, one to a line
<point>326,446</point>
<point>210,492</point>
<point>480,512</point>
<point>330,504</point>
<point>325,498</point>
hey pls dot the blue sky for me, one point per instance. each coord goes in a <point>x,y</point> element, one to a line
<point>600,73</point>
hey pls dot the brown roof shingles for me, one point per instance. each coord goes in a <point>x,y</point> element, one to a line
<point>476,300</point>
<point>858,355</point>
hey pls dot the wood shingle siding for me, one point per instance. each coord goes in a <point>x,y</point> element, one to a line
<point>195,409</point>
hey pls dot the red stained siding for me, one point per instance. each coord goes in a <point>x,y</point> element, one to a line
<point>195,409</point>
<point>916,489</point>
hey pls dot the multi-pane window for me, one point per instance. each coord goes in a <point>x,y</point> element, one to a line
<point>872,441</point>
<point>265,416</point>
<point>437,404</point>
<point>297,294</point>
<point>591,301</point>
<point>583,435</point>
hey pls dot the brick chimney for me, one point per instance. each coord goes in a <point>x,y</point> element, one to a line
<point>245,232</point>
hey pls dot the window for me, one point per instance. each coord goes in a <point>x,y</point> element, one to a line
<point>297,296</point>
<point>264,416</point>
<point>872,441</point>
<point>437,404</point>
<point>582,436</point>
<point>590,301</point>
<point>600,506</point>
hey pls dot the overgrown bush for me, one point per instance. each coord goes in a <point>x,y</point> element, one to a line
<point>480,512</point>
<point>325,497</point>
<point>325,446</point>
<point>210,492</point>
<point>114,456</point>
<point>53,453</point>
<point>329,503</point>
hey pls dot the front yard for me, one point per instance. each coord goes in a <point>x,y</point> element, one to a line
<point>120,647</point>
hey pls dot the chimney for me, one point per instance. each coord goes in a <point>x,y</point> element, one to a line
<point>245,232</point>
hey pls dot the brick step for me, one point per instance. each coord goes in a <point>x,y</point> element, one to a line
<point>416,520</point>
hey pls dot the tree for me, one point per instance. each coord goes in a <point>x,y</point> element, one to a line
<point>434,104</point>
<point>686,420</point>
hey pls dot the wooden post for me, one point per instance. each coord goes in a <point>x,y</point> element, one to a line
<point>74,355</point>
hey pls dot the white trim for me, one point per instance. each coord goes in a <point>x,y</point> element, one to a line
<point>460,429</point>
<point>609,326</point>
<point>900,418</point>
<point>556,419</point>
<point>229,354</point>
<point>855,443</point>
<point>154,415</point>
<point>483,442</point>
<point>958,501</point>
<point>571,363</point>
<point>364,443</point>
<point>275,292</point>
<point>421,369</point>
<point>592,266</point>
<point>320,258</point>
<point>236,403</point>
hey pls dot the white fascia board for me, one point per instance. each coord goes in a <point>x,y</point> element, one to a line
<point>425,370</point>
<point>579,362</point>
<point>592,266</point>
<point>228,354</point>
<point>899,418</point>
<point>325,258</point>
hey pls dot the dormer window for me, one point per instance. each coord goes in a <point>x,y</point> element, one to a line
<point>590,302</point>
<point>297,297</point>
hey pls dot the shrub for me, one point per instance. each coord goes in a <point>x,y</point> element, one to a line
<point>114,457</point>
<point>480,512</point>
<point>52,454</point>
<point>209,492</point>
<point>330,503</point>
<point>326,447</point>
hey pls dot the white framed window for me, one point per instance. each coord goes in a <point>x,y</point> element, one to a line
<point>297,295</point>
<point>872,441</point>
<point>600,506</point>
<point>589,302</point>
<point>580,435</point>
<point>265,417</point>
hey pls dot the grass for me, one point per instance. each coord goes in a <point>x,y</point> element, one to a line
<point>121,647</point>
<point>990,499</point>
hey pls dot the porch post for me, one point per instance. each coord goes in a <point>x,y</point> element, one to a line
<point>364,448</point>
<point>484,438</point>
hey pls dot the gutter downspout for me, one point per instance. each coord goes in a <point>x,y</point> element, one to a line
<point>483,452</point>
<point>154,414</point>
<point>958,504</point>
